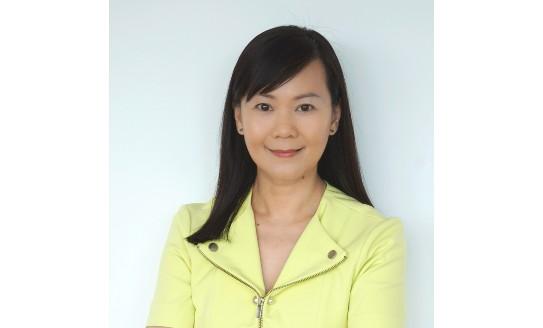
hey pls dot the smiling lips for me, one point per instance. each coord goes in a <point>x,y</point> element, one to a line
<point>285,153</point>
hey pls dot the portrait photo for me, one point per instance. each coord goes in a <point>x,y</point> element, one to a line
<point>257,164</point>
<point>271,164</point>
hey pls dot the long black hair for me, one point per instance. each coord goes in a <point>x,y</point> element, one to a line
<point>271,58</point>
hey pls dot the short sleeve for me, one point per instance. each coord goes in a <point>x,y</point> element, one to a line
<point>377,294</point>
<point>172,304</point>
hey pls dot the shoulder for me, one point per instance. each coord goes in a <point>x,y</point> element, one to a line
<point>354,222</point>
<point>190,216</point>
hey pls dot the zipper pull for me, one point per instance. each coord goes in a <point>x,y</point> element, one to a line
<point>259,303</point>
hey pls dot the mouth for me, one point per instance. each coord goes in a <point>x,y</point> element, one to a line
<point>285,152</point>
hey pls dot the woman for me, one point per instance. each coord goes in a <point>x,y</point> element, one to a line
<point>290,238</point>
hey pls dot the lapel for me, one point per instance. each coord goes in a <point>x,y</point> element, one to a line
<point>310,255</point>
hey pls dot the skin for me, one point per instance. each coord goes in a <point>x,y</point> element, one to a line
<point>287,191</point>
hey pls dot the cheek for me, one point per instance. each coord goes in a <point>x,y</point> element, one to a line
<point>316,147</point>
<point>315,140</point>
<point>254,134</point>
<point>315,137</point>
<point>255,142</point>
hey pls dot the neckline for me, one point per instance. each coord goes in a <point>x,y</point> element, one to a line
<point>246,205</point>
<point>241,252</point>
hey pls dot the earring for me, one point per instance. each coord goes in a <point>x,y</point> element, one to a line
<point>332,130</point>
<point>240,129</point>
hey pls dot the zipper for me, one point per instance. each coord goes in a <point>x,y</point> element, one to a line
<point>261,303</point>
<point>259,309</point>
<point>260,300</point>
<point>228,273</point>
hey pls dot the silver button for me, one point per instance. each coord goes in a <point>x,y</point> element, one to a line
<point>213,247</point>
<point>332,254</point>
<point>255,299</point>
<point>270,300</point>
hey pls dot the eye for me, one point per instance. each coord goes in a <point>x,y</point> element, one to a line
<point>264,108</point>
<point>307,107</point>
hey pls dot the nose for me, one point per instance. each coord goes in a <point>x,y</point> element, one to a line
<point>284,125</point>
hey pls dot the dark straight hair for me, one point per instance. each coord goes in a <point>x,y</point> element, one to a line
<point>270,59</point>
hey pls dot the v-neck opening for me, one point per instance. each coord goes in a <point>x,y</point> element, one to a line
<point>316,216</point>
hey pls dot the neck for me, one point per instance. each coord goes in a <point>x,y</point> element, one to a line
<point>286,202</point>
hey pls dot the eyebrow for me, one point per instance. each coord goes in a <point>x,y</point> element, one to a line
<point>303,95</point>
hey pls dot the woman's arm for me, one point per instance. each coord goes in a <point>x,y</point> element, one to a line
<point>377,294</point>
<point>172,305</point>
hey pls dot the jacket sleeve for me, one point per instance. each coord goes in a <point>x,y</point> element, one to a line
<point>172,304</point>
<point>377,293</point>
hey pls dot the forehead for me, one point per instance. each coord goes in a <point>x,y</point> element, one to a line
<point>310,82</point>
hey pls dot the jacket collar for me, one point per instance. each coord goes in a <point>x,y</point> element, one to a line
<point>240,255</point>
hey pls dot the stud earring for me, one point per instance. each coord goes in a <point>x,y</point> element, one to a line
<point>332,130</point>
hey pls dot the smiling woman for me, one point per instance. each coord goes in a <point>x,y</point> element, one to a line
<point>290,238</point>
<point>299,115</point>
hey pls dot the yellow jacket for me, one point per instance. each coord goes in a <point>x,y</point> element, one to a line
<point>345,270</point>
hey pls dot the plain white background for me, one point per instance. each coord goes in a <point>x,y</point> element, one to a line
<point>170,64</point>
<point>54,141</point>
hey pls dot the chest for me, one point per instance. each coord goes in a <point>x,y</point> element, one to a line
<point>216,295</point>
<point>275,245</point>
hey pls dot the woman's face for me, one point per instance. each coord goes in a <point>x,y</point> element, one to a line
<point>297,115</point>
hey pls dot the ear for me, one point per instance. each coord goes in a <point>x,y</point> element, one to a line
<point>336,114</point>
<point>237,118</point>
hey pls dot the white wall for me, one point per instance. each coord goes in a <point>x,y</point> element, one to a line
<point>170,66</point>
